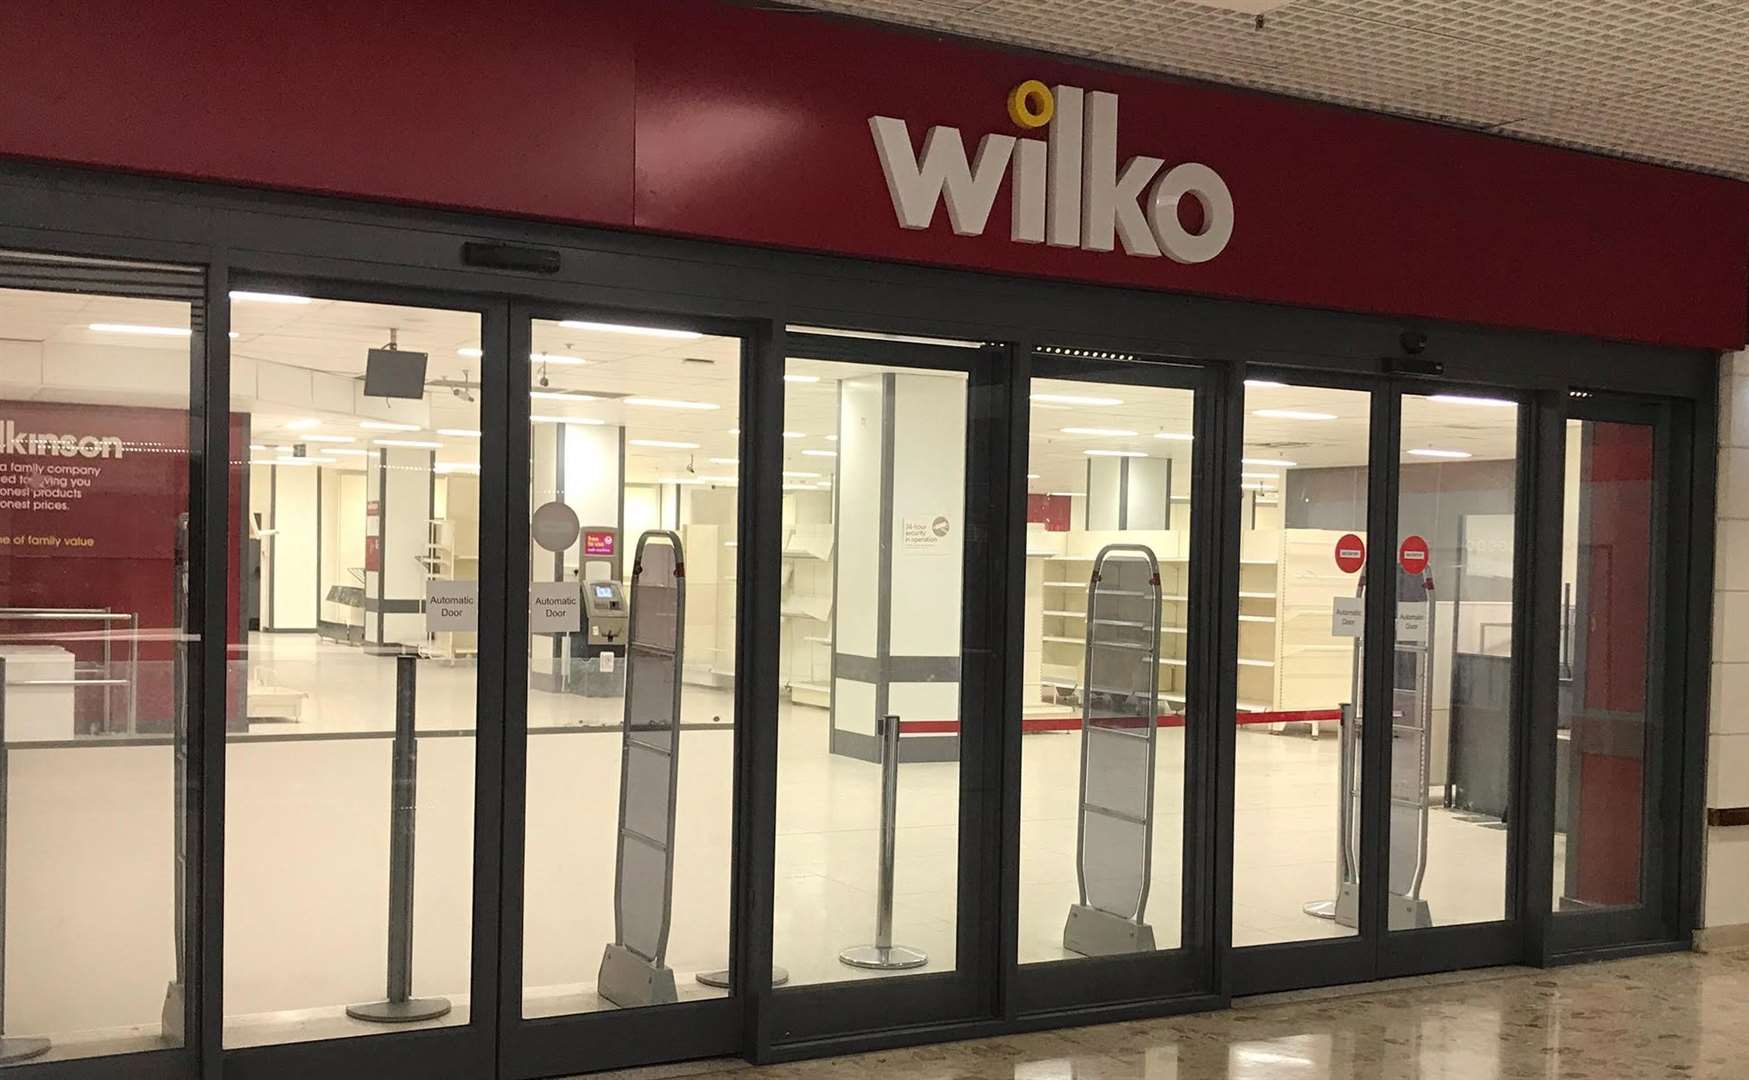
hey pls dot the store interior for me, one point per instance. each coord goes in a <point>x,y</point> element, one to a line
<point>357,503</point>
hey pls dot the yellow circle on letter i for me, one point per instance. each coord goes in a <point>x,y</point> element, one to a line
<point>1031,105</point>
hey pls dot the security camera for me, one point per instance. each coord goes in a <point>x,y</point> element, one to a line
<point>1414,342</point>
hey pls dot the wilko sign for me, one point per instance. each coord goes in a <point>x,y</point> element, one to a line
<point>41,444</point>
<point>1067,189</point>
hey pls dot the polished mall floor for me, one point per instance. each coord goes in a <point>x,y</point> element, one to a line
<point>1679,1015</point>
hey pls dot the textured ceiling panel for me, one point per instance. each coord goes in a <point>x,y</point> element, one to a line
<point>1659,80</point>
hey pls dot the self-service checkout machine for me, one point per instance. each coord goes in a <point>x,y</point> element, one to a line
<point>1411,744</point>
<point>596,651</point>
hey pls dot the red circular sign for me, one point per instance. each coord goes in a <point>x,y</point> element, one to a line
<point>1350,554</point>
<point>1412,556</point>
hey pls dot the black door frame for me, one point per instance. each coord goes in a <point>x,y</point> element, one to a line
<point>1185,975</point>
<point>103,215</point>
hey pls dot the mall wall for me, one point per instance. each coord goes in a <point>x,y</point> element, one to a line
<point>1725,895</point>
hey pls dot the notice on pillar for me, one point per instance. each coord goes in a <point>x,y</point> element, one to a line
<point>1412,622</point>
<point>452,605</point>
<point>1347,617</point>
<point>926,535</point>
<point>555,607</point>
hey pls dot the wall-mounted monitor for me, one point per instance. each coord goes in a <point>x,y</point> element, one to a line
<point>394,373</point>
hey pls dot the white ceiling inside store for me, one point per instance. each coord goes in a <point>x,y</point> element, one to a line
<point>642,382</point>
<point>1659,80</point>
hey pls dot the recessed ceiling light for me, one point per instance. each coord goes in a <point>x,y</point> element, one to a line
<point>1292,414</point>
<point>132,328</point>
<point>1077,399</point>
<point>1461,399</point>
<point>663,444</point>
<point>303,423</point>
<point>410,444</point>
<point>1263,384</point>
<point>560,395</point>
<point>469,352</point>
<point>1112,431</point>
<point>458,432</point>
<point>588,421</point>
<point>820,453</point>
<point>1175,436</point>
<point>1279,463</point>
<point>670,403</point>
<point>1114,453</point>
<point>795,434</point>
<point>386,425</point>
<point>1427,451</point>
<point>640,331</point>
<point>328,438</point>
<point>267,297</point>
<point>801,378</point>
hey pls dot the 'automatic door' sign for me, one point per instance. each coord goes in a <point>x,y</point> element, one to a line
<point>1067,189</point>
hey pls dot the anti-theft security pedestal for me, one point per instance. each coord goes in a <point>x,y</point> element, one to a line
<point>1411,745</point>
<point>400,1006</point>
<point>1119,725</point>
<point>633,971</point>
<point>13,1049</point>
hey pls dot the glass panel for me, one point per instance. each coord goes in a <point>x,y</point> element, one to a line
<point>1606,722</point>
<point>94,504</point>
<point>356,454</point>
<point>633,429</point>
<point>873,517</point>
<point>1451,724</point>
<point>1297,751</point>
<point>1101,869</point>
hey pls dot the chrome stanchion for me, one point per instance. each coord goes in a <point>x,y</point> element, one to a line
<point>12,1050</point>
<point>883,955</point>
<point>400,1007</point>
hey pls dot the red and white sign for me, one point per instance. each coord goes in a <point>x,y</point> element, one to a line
<point>1350,553</point>
<point>598,542</point>
<point>1412,555</point>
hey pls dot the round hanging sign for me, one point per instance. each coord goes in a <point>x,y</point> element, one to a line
<point>555,526</point>
<point>1412,556</point>
<point>1350,553</point>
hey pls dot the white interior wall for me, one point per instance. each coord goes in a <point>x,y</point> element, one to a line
<point>296,541</point>
<point>860,411</point>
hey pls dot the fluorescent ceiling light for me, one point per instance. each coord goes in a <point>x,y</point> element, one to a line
<point>1256,487</point>
<point>259,446</point>
<point>328,438</point>
<point>1114,453</point>
<point>1263,384</point>
<point>1428,451</point>
<point>1460,399</point>
<point>557,358</point>
<point>670,403</point>
<point>469,352</point>
<point>349,453</point>
<point>456,466</point>
<point>801,378</point>
<point>386,425</point>
<point>803,475</point>
<point>795,434</point>
<point>831,438</point>
<point>1112,431</point>
<point>267,297</point>
<point>1260,476</point>
<point>1067,494</point>
<point>798,487</point>
<point>303,461</point>
<point>620,328</point>
<point>303,423</point>
<point>589,421</point>
<point>725,461</point>
<point>823,484</point>
<point>1279,463</point>
<point>1032,476</point>
<point>663,444</point>
<point>560,395</point>
<point>458,432</point>
<point>1077,399</point>
<point>1292,414</point>
<point>1175,436</point>
<point>820,453</point>
<point>411,444</point>
<point>132,328</point>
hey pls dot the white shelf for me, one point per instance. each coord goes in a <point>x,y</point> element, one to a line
<point>1059,639</point>
<point>1066,614</point>
<point>1256,595</point>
